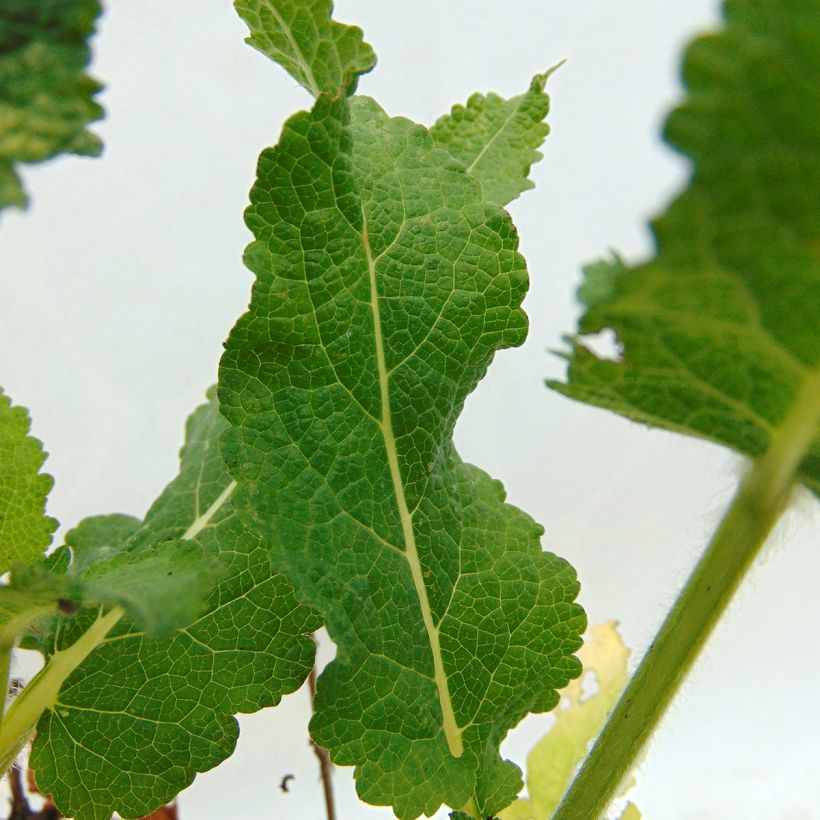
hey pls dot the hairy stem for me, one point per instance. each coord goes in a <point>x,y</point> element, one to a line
<point>325,766</point>
<point>42,692</point>
<point>756,507</point>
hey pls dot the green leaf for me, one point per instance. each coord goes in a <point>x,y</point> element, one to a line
<point>25,529</point>
<point>385,284</point>
<point>497,139</point>
<point>322,55</point>
<point>161,588</point>
<point>134,723</point>
<point>720,329</point>
<point>98,534</point>
<point>578,720</point>
<point>46,98</point>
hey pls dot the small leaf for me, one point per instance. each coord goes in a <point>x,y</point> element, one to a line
<point>324,56</point>
<point>497,139</point>
<point>25,529</point>
<point>139,718</point>
<point>720,329</point>
<point>161,588</point>
<point>46,98</point>
<point>98,534</point>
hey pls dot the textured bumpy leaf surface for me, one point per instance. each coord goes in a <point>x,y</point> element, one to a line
<point>578,720</point>
<point>46,98</point>
<point>385,284</point>
<point>140,717</point>
<point>322,55</point>
<point>25,529</point>
<point>720,330</point>
<point>498,139</point>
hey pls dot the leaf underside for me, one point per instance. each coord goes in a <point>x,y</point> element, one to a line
<point>140,717</point>
<point>46,98</point>
<point>385,283</point>
<point>720,329</point>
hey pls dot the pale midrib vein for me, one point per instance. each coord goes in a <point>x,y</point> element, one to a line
<point>203,520</point>
<point>451,729</point>
<point>494,137</point>
<point>314,88</point>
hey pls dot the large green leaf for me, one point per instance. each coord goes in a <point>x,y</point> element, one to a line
<point>46,98</point>
<point>322,55</point>
<point>498,139</point>
<point>720,329</point>
<point>134,723</point>
<point>385,283</point>
<point>25,529</point>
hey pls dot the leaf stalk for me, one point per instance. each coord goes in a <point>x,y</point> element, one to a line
<point>325,765</point>
<point>761,498</point>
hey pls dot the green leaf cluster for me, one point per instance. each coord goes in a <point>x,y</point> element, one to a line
<point>387,277</point>
<point>322,486</point>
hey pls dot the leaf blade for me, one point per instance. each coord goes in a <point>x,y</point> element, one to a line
<point>25,529</point>
<point>322,55</point>
<point>719,330</point>
<point>342,410</point>
<point>498,139</point>
<point>250,646</point>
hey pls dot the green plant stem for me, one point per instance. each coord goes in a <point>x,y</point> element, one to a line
<point>41,693</point>
<point>756,507</point>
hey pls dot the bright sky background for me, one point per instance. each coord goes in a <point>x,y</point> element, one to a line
<point>119,285</point>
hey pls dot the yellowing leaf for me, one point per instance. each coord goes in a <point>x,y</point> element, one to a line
<point>552,762</point>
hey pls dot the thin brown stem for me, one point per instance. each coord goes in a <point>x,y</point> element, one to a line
<point>20,809</point>
<point>325,766</point>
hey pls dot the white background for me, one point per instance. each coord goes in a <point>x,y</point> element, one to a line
<point>119,285</point>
